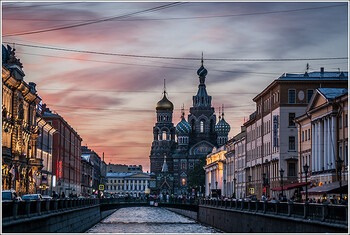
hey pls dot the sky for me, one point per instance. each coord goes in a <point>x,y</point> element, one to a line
<point>109,76</point>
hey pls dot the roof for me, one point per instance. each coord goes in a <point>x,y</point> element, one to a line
<point>125,174</point>
<point>315,76</point>
<point>331,93</point>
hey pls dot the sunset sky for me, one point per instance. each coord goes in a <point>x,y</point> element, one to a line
<point>108,95</point>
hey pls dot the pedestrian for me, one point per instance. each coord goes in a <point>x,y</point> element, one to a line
<point>63,195</point>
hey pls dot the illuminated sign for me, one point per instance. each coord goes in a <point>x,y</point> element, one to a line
<point>60,169</point>
<point>101,187</point>
<point>251,190</point>
<point>53,181</point>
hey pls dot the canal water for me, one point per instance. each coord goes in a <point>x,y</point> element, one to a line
<point>148,220</point>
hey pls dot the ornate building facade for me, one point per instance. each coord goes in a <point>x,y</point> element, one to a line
<point>20,167</point>
<point>195,137</point>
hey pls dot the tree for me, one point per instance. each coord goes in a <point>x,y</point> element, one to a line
<point>196,176</point>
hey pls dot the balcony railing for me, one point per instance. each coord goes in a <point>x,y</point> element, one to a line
<point>310,211</point>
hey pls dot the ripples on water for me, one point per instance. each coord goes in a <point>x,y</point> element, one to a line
<point>148,220</point>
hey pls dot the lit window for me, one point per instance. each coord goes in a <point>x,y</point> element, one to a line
<point>202,126</point>
<point>183,181</point>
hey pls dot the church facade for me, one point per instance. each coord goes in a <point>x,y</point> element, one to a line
<point>196,136</point>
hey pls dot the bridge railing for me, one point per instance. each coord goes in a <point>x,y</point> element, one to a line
<point>310,211</point>
<point>147,200</point>
<point>23,209</point>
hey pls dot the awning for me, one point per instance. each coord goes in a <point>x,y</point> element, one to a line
<point>330,188</point>
<point>290,186</point>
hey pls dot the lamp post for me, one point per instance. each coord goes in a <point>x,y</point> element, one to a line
<point>224,187</point>
<point>249,180</point>
<point>216,185</point>
<point>264,182</point>
<point>281,174</point>
<point>339,168</point>
<point>306,170</point>
<point>234,187</point>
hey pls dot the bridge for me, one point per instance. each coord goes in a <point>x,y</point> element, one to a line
<point>78,215</point>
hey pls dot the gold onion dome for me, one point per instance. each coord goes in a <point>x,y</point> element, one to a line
<point>164,104</point>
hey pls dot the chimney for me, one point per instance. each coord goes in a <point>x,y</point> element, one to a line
<point>43,108</point>
<point>322,70</point>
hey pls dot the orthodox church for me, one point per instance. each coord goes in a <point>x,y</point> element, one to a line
<point>171,157</point>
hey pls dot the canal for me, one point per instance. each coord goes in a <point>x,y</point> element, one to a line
<point>148,220</point>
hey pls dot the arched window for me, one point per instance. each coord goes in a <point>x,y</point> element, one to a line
<point>202,126</point>
<point>193,125</point>
<point>164,135</point>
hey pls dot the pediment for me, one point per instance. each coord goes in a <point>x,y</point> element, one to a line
<point>316,101</point>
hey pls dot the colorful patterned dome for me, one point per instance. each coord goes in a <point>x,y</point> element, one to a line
<point>222,127</point>
<point>202,72</point>
<point>183,127</point>
<point>164,104</point>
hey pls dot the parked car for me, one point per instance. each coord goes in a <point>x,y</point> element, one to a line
<point>46,197</point>
<point>32,197</point>
<point>10,195</point>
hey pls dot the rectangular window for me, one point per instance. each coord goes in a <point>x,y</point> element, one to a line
<point>346,155</point>
<point>302,136</point>
<point>291,143</point>
<point>291,169</point>
<point>291,119</point>
<point>308,134</point>
<point>346,121</point>
<point>309,95</point>
<point>183,165</point>
<point>291,96</point>
<point>340,122</point>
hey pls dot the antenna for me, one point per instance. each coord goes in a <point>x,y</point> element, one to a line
<point>222,110</point>
<point>219,114</point>
<point>183,111</point>
<point>202,59</point>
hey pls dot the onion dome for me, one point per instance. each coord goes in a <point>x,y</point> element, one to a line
<point>222,127</point>
<point>202,72</point>
<point>165,104</point>
<point>183,127</point>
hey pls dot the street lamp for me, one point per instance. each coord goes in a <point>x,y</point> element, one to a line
<point>224,188</point>
<point>249,180</point>
<point>216,185</point>
<point>306,170</point>
<point>339,168</point>
<point>234,187</point>
<point>281,174</point>
<point>264,181</point>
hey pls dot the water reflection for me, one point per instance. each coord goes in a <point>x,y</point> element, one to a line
<point>148,220</point>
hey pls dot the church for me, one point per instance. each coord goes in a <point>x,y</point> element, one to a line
<point>171,158</point>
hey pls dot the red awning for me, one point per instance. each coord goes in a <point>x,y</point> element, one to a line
<point>290,186</point>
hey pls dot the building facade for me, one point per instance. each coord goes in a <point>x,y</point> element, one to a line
<point>215,172</point>
<point>127,183</point>
<point>195,137</point>
<point>44,152</point>
<point>272,135</point>
<point>20,165</point>
<point>323,134</point>
<point>86,175</point>
<point>66,157</point>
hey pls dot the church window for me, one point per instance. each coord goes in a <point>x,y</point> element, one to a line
<point>164,135</point>
<point>183,165</point>
<point>202,126</point>
<point>183,181</point>
<point>193,125</point>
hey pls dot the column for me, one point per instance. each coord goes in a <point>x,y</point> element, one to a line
<point>313,153</point>
<point>316,147</point>
<point>321,162</point>
<point>146,184</point>
<point>325,145</point>
<point>129,186</point>
<point>124,185</point>
<point>333,142</point>
<point>142,186</point>
<point>329,147</point>
<point>133,185</point>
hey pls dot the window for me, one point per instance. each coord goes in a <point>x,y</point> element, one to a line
<point>164,135</point>
<point>346,155</point>
<point>346,121</point>
<point>291,96</point>
<point>309,95</point>
<point>183,181</point>
<point>202,126</point>
<point>308,133</point>
<point>291,119</point>
<point>183,165</point>
<point>291,143</point>
<point>340,122</point>
<point>291,169</point>
<point>302,137</point>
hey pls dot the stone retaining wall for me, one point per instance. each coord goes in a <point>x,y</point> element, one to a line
<point>187,213</point>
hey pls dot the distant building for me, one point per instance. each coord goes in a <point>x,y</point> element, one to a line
<point>120,168</point>
<point>272,135</point>
<point>127,183</point>
<point>66,157</point>
<point>323,132</point>
<point>20,110</point>
<point>86,175</point>
<point>215,172</point>
<point>235,166</point>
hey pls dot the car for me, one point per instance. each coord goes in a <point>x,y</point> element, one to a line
<point>31,197</point>
<point>46,197</point>
<point>10,195</point>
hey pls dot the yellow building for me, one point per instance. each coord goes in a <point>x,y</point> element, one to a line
<point>20,168</point>
<point>215,171</point>
<point>323,135</point>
